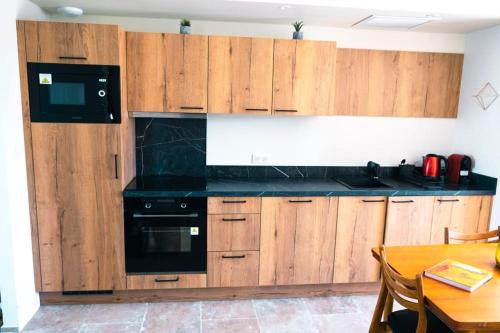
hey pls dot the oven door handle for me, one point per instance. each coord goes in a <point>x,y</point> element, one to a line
<point>138,215</point>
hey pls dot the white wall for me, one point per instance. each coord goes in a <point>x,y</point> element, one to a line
<point>478,131</point>
<point>19,299</point>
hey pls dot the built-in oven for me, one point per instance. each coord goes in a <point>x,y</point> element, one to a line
<point>165,235</point>
<point>68,93</point>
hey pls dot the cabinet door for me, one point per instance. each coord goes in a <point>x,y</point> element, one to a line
<point>233,269</point>
<point>360,227</point>
<point>79,206</point>
<point>467,214</point>
<point>233,232</point>
<point>72,43</point>
<point>445,72</point>
<point>167,72</point>
<point>304,77</point>
<point>240,75</point>
<point>297,240</point>
<point>409,221</point>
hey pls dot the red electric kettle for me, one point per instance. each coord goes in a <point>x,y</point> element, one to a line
<point>431,166</point>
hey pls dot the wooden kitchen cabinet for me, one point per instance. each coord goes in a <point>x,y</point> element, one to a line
<point>166,281</point>
<point>360,227</point>
<point>167,72</point>
<point>467,214</point>
<point>72,43</point>
<point>240,75</point>
<point>233,232</point>
<point>304,77</point>
<point>233,269</point>
<point>79,206</point>
<point>234,205</point>
<point>409,221</point>
<point>297,240</point>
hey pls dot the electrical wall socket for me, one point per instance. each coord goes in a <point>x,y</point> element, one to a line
<point>260,159</point>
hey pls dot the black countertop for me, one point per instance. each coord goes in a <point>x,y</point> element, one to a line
<point>262,187</point>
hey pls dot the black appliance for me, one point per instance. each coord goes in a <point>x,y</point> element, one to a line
<point>67,93</point>
<point>165,235</point>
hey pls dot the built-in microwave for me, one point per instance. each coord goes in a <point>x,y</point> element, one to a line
<point>68,93</point>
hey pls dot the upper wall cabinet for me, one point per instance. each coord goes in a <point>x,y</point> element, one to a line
<point>240,75</point>
<point>304,77</point>
<point>71,43</point>
<point>397,83</point>
<point>167,72</point>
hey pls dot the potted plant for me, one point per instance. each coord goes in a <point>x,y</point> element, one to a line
<point>185,27</point>
<point>298,34</point>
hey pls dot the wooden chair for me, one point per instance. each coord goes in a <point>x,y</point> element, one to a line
<point>453,235</point>
<point>410,294</point>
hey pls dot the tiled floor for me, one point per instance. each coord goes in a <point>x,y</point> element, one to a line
<point>318,314</point>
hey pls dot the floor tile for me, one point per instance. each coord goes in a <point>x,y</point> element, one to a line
<point>172,317</point>
<point>341,323</point>
<point>331,304</point>
<point>365,303</point>
<point>58,318</point>
<point>111,328</point>
<point>116,313</point>
<point>283,315</point>
<point>227,310</point>
<point>247,325</point>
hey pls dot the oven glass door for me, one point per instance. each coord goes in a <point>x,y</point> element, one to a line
<point>165,243</point>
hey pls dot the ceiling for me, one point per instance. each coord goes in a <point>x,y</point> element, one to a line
<point>456,16</point>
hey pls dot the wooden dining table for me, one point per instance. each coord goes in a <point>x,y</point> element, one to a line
<point>461,310</point>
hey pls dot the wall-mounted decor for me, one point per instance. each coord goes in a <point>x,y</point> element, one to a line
<point>486,96</point>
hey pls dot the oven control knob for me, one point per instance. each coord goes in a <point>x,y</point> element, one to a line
<point>183,205</point>
<point>148,205</point>
<point>101,93</point>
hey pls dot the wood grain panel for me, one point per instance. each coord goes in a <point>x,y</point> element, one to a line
<point>445,72</point>
<point>166,281</point>
<point>233,269</point>
<point>297,240</point>
<point>54,42</point>
<point>78,205</point>
<point>234,205</point>
<point>466,214</point>
<point>240,75</point>
<point>409,221</point>
<point>186,70</point>
<point>360,227</point>
<point>304,77</point>
<point>382,83</point>
<point>233,232</point>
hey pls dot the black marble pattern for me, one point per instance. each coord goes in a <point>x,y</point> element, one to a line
<point>171,146</point>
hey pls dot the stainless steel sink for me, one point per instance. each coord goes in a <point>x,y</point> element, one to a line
<point>361,183</point>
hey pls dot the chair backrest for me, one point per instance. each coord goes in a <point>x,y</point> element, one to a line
<point>407,292</point>
<point>484,236</point>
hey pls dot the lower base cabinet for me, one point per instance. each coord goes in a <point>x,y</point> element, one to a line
<point>360,227</point>
<point>233,269</point>
<point>166,281</point>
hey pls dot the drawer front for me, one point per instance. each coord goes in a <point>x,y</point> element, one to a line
<point>233,232</point>
<point>233,205</point>
<point>233,269</point>
<point>166,281</point>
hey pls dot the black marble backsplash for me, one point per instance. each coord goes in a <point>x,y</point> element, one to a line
<point>171,146</point>
<point>318,172</point>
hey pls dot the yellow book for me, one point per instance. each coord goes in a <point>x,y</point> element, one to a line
<point>459,275</point>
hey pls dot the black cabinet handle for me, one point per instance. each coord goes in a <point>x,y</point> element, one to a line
<point>72,58</point>
<point>256,109</point>
<point>286,110</point>
<point>299,201</point>
<point>381,200</point>
<point>234,220</point>
<point>402,201</point>
<point>233,257</point>
<point>233,201</point>
<point>448,200</point>
<point>192,108</point>
<point>116,166</point>
<point>167,280</point>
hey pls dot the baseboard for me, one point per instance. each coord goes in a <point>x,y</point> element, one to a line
<point>130,296</point>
